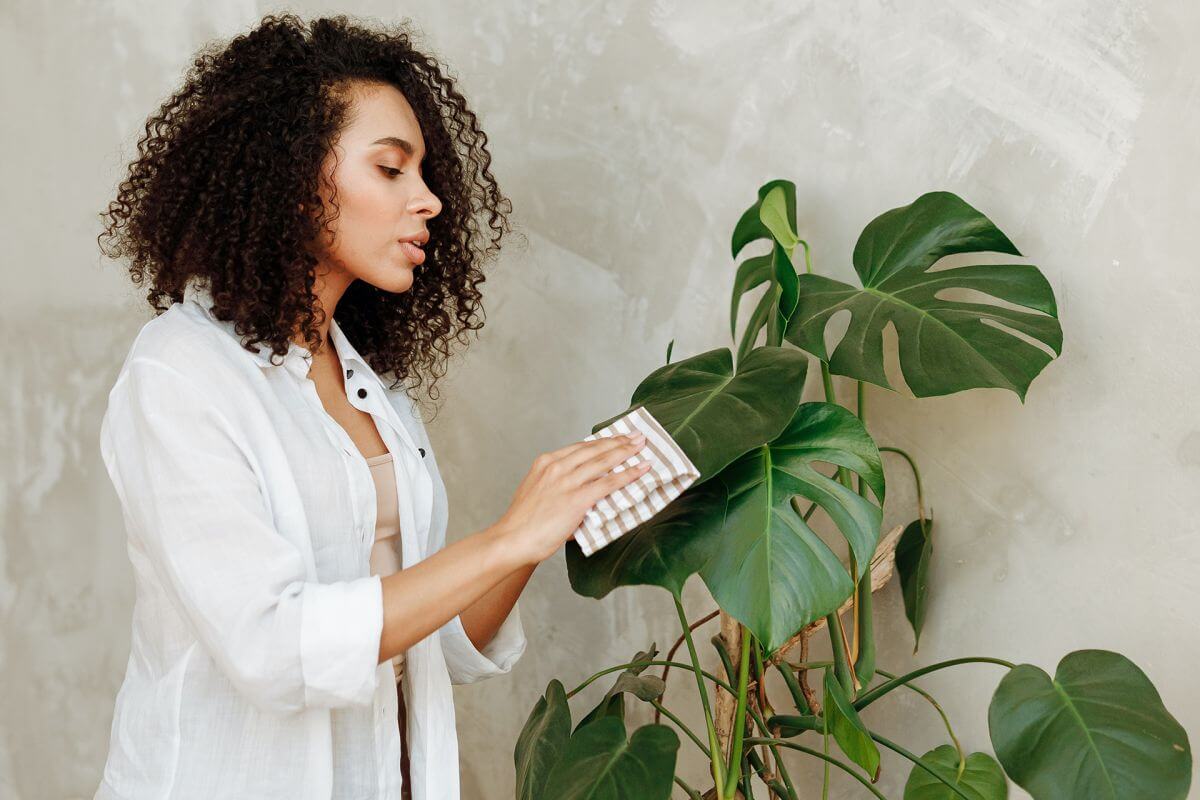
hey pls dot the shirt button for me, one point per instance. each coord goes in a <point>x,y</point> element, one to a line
<point>349,373</point>
<point>422,449</point>
<point>362,392</point>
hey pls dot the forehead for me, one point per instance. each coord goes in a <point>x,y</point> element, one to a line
<point>382,112</point>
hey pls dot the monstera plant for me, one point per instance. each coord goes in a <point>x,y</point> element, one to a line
<point>769,461</point>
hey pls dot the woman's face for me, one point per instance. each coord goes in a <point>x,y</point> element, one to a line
<point>381,196</point>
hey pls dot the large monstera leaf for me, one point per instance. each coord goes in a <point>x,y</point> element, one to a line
<point>945,345</point>
<point>1097,730</point>
<point>714,413</point>
<point>770,570</point>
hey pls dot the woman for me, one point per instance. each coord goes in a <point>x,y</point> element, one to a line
<point>306,203</point>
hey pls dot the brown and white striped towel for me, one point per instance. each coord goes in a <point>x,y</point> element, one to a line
<point>671,472</point>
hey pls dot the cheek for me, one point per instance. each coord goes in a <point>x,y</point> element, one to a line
<point>369,205</point>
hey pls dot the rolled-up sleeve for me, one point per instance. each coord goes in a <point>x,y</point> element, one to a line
<point>468,664</point>
<point>190,490</point>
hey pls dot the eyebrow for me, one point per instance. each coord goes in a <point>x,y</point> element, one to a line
<point>396,141</point>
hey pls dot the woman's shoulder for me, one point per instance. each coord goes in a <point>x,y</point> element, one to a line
<point>184,341</point>
<point>181,346</point>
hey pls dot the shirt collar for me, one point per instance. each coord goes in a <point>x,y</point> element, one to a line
<point>298,358</point>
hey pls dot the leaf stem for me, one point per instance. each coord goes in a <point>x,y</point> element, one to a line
<point>739,716</point>
<point>691,793</point>
<point>824,757</point>
<point>651,662</point>
<point>883,688</point>
<point>713,743</point>
<point>918,761</point>
<point>690,733</point>
<point>962,757</point>
<point>916,478</point>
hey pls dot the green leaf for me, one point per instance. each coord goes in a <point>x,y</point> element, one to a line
<point>629,681</point>
<point>771,571</point>
<point>610,706</point>
<point>750,226</point>
<point>982,779</point>
<point>695,399</point>
<point>772,217</point>
<point>848,729</point>
<point>778,217</point>
<point>787,289</point>
<point>599,764</point>
<point>663,551</point>
<point>751,273</point>
<point>542,742</point>
<point>913,554</point>
<point>945,345</point>
<point>1097,731</point>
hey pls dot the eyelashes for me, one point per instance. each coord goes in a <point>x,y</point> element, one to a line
<point>390,171</point>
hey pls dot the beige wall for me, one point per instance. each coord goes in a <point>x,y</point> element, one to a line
<point>630,136</point>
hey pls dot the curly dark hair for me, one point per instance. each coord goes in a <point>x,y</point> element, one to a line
<point>225,163</point>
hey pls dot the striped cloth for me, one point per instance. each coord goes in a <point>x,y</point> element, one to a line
<point>621,511</point>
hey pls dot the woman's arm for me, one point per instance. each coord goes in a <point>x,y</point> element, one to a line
<point>483,618</point>
<point>547,507</point>
<point>422,598</point>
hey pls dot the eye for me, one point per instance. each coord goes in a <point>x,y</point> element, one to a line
<point>391,171</point>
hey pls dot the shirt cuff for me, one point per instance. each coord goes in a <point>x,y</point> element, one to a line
<point>468,664</point>
<point>340,629</point>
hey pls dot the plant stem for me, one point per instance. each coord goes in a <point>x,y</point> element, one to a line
<point>739,716</point>
<point>845,666</point>
<point>864,616</point>
<point>651,662</point>
<point>825,739</point>
<point>762,726</point>
<point>913,758</point>
<point>745,780</point>
<point>824,757</point>
<point>962,757</point>
<point>793,685</point>
<point>678,642</point>
<point>714,744</point>
<point>916,478</point>
<point>690,733</point>
<point>883,688</point>
<point>691,793</point>
<point>842,664</point>
<point>719,643</point>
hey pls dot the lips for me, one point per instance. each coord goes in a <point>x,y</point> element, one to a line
<point>414,253</point>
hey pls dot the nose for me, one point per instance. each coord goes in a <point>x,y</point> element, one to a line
<point>425,203</point>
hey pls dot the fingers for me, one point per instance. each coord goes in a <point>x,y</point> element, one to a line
<point>609,483</point>
<point>557,455</point>
<point>597,448</point>
<point>606,460</point>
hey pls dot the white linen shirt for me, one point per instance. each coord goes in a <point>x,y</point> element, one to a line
<point>250,514</point>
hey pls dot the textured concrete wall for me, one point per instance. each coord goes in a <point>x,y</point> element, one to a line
<point>630,135</point>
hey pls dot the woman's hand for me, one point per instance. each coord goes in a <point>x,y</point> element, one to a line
<point>561,487</point>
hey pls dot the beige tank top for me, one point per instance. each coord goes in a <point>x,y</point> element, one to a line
<point>385,552</point>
